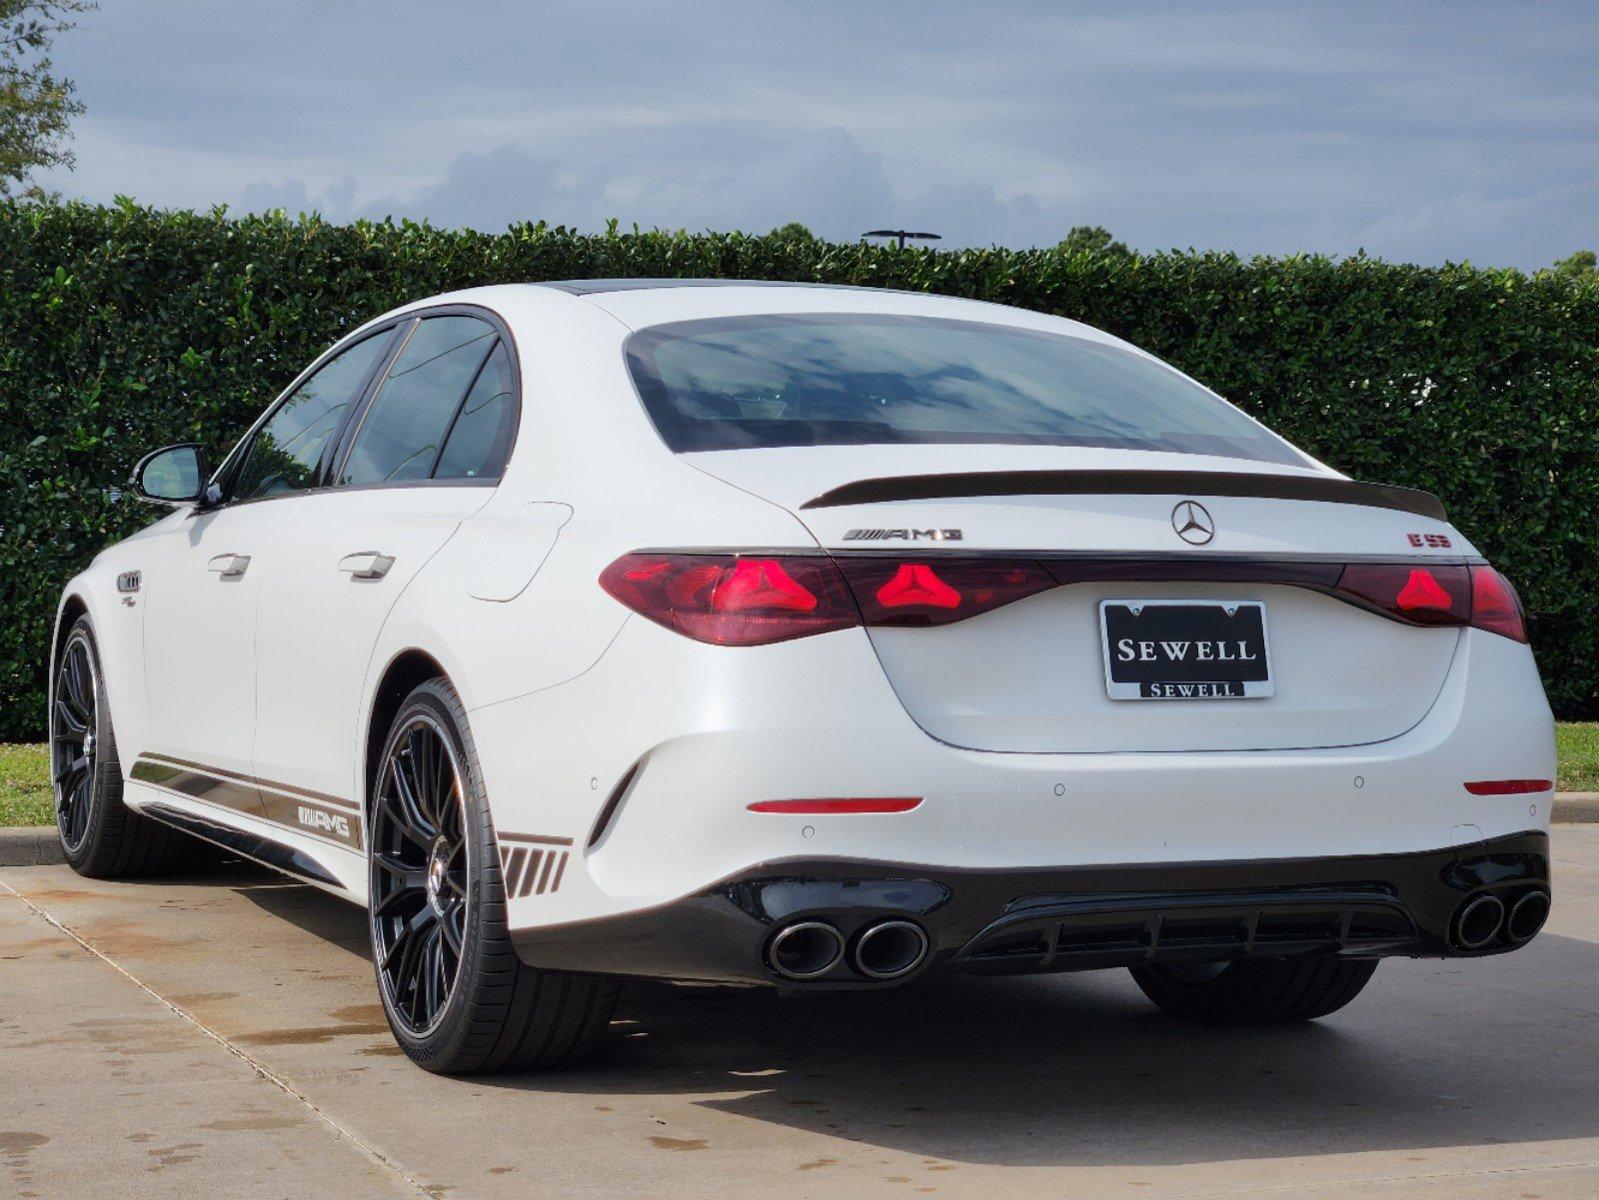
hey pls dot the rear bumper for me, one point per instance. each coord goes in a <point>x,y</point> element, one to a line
<point>1028,920</point>
<point>648,763</point>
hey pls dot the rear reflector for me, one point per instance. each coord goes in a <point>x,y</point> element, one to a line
<point>883,804</point>
<point>1509,787</point>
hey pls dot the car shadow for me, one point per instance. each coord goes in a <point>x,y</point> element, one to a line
<point>1082,1070</point>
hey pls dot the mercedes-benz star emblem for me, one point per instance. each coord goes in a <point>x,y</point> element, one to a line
<point>1193,523</point>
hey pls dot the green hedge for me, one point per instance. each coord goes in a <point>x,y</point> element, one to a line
<point>124,328</point>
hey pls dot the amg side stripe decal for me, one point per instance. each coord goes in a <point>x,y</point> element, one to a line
<point>530,870</point>
<point>311,813</point>
<point>220,773</point>
<point>536,839</point>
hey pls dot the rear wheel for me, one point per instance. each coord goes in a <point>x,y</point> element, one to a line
<point>456,995</point>
<point>1255,991</point>
<point>100,836</point>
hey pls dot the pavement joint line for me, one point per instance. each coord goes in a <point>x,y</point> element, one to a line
<point>1374,1180</point>
<point>261,1069</point>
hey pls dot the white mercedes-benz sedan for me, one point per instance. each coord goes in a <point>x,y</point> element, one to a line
<point>810,637</point>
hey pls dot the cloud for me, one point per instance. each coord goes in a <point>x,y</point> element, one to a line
<point>294,196</point>
<point>822,178</point>
<point>1423,131</point>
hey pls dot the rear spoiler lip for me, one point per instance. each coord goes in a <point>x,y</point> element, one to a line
<point>959,484</point>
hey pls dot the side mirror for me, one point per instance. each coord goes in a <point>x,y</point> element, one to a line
<point>173,475</point>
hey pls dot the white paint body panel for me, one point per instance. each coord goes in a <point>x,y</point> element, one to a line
<point>566,690</point>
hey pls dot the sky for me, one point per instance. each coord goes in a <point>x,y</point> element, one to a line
<point>1416,131</point>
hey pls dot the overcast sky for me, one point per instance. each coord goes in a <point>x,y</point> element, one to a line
<point>1420,132</point>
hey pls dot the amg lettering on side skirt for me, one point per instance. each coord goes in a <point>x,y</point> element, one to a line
<point>315,818</point>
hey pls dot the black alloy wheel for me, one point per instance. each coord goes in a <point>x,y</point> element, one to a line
<point>420,898</point>
<point>458,998</point>
<point>73,740</point>
<point>100,836</point>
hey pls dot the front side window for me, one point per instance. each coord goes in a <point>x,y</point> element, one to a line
<point>847,379</point>
<point>404,429</point>
<point>286,454</point>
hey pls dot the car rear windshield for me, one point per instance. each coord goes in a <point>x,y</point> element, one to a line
<point>848,380</point>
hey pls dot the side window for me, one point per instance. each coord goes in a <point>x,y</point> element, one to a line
<point>406,423</point>
<point>287,450</point>
<point>481,437</point>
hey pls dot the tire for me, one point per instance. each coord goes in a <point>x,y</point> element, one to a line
<point>1255,991</point>
<point>458,999</point>
<point>101,837</point>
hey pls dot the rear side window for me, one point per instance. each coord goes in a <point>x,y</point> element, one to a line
<point>286,454</point>
<point>847,379</point>
<point>476,446</point>
<point>405,426</point>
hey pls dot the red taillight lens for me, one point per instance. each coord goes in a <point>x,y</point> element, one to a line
<point>1427,595</point>
<point>898,592</point>
<point>1438,595</point>
<point>1495,605</point>
<point>731,600</point>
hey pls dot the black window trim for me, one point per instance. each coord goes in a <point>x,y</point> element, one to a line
<point>460,407</point>
<point>227,474</point>
<point>333,458</point>
<point>491,318</point>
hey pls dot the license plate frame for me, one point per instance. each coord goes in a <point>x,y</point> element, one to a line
<point>1171,674</point>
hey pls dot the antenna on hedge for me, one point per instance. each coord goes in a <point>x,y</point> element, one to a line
<point>903,235</point>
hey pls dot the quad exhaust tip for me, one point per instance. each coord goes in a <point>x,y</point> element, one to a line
<point>1479,922</point>
<point>1527,916</point>
<point>889,949</point>
<point>805,950</point>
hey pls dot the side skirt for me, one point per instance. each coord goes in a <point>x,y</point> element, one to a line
<point>245,844</point>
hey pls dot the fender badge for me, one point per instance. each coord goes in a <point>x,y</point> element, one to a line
<point>129,581</point>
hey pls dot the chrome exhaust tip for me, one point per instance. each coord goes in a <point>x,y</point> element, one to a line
<point>1527,916</point>
<point>889,949</point>
<point>805,950</point>
<point>1478,922</point>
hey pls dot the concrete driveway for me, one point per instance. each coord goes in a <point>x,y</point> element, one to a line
<point>219,1036</point>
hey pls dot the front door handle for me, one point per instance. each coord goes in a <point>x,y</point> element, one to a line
<point>229,566</point>
<point>366,564</point>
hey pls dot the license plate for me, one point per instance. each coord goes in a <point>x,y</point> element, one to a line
<point>1185,649</point>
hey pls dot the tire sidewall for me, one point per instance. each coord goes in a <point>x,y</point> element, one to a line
<point>437,700</point>
<point>106,788</point>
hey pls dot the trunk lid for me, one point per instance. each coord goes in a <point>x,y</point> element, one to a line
<point>1031,676</point>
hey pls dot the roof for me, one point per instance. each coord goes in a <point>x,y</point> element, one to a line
<point>589,287</point>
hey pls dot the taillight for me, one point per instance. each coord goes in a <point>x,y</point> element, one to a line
<point>1424,594</point>
<point>750,600</point>
<point>910,592</point>
<point>1495,605</point>
<point>730,600</point>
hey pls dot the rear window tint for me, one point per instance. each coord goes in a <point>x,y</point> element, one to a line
<point>846,379</point>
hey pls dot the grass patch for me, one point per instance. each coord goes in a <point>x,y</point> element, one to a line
<point>25,786</point>
<point>1579,756</point>
<point>25,773</point>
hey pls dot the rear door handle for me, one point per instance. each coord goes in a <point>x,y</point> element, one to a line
<point>229,566</point>
<point>366,564</point>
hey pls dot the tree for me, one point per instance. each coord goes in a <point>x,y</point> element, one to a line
<point>792,232</point>
<point>36,105</point>
<point>1581,265</point>
<point>1091,239</point>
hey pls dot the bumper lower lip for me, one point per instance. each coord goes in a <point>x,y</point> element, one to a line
<point>1013,921</point>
